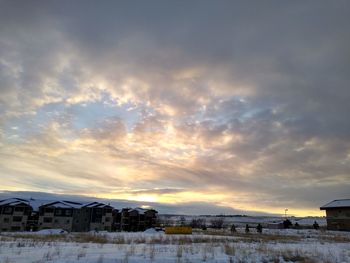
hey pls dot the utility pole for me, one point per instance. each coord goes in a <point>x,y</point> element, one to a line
<point>285,213</point>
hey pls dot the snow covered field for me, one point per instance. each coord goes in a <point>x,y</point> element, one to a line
<point>210,246</point>
<point>242,220</point>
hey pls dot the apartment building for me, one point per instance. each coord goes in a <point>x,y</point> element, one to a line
<point>58,214</point>
<point>138,219</point>
<point>30,215</point>
<point>14,213</point>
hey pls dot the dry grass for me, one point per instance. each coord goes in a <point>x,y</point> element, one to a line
<point>207,247</point>
<point>335,238</point>
<point>229,250</point>
<point>88,238</point>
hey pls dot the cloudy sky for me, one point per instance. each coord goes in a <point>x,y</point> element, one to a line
<point>232,104</point>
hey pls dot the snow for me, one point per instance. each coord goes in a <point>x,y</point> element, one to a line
<point>150,231</point>
<point>13,201</point>
<point>95,204</point>
<point>292,246</point>
<point>36,203</point>
<point>337,203</point>
<point>140,210</point>
<point>43,232</point>
<point>59,204</point>
<point>251,220</point>
<point>51,232</point>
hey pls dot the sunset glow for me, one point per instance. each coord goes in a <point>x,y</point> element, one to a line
<point>160,102</point>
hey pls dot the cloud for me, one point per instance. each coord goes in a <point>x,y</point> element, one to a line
<point>245,99</point>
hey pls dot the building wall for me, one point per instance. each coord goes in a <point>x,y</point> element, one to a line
<point>116,225</point>
<point>134,221</point>
<point>14,218</point>
<point>81,220</point>
<point>107,221</point>
<point>50,219</point>
<point>338,218</point>
<point>103,222</point>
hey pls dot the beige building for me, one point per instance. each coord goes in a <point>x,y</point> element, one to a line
<point>338,214</point>
<point>30,215</point>
<point>56,215</point>
<point>137,219</point>
<point>76,217</point>
<point>101,216</point>
<point>14,213</point>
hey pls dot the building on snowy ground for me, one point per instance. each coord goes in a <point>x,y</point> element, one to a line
<point>14,213</point>
<point>338,214</point>
<point>58,214</point>
<point>138,219</point>
<point>116,221</point>
<point>76,217</point>
<point>99,216</point>
<point>18,214</point>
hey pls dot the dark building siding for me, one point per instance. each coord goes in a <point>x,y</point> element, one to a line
<point>74,217</point>
<point>338,218</point>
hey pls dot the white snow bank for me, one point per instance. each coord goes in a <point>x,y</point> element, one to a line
<point>150,231</point>
<point>50,232</point>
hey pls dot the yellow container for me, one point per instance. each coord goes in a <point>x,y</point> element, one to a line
<point>187,230</point>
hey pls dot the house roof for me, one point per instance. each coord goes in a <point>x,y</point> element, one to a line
<point>36,203</point>
<point>14,201</point>
<point>336,204</point>
<point>97,205</point>
<point>142,210</point>
<point>59,204</point>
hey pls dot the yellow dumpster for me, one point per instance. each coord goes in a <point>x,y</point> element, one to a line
<point>187,230</point>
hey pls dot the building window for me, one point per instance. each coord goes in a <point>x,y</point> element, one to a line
<point>17,219</point>
<point>47,219</point>
<point>6,220</point>
<point>48,210</point>
<point>68,212</point>
<point>58,212</point>
<point>8,210</point>
<point>67,221</point>
<point>56,221</point>
<point>15,228</point>
<point>19,209</point>
<point>98,211</point>
<point>108,219</point>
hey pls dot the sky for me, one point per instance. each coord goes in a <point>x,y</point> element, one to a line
<point>214,105</point>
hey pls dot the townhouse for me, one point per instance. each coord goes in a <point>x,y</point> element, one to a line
<point>138,219</point>
<point>30,215</point>
<point>14,213</point>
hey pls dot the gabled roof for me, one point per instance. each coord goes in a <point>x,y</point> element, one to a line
<point>96,205</point>
<point>14,201</point>
<point>142,210</point>
<point>341,203</point>
<point>36,203</point>
<point>60,204</point>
